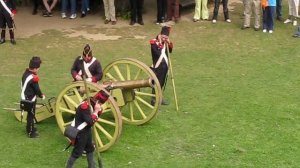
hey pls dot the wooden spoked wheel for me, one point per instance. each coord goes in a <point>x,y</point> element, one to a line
<point>135,104</point>
<point>109,125</point>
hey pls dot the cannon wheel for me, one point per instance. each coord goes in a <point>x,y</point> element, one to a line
<point>109,125</point>
<point>137,108</point>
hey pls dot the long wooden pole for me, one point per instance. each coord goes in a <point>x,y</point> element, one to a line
<point>172,76</point>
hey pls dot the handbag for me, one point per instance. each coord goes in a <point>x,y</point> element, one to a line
<point>71,132</point>
<point>26,105</point>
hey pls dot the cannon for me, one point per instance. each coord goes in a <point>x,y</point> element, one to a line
<point>132,86</point>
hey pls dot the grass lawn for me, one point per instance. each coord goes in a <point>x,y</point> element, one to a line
<point>237,92</point>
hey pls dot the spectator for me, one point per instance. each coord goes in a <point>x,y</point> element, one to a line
<point>49,5</point>
<point>249,6</point>
<point>85,7</point>
<point>225,10</point>
<point>201,10</point>
<point>278,10</point>
<point>173,10</point>
<point>136,7</point>
<point>161,11</point>
<point>110,13</point>
<point>293,12</point>
<point>297,34</point>
<point>87,63</point>
<point>269,7</point>
<point>64,5</point>
<point>36,4</point>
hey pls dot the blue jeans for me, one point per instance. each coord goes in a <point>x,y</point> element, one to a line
<point>268,17</point>
<point>84,5</point>
<point>64,4</point>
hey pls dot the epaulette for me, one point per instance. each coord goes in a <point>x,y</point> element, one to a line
<point>153,41</point>
<point>84,105</point>
<point>35,78</point>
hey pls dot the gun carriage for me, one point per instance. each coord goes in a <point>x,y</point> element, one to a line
<point>132,85</point>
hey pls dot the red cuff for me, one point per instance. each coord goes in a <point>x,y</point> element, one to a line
<point>171,45</point>
<point>94,117</point>
<point>14,12</point>
<point>74,75</point>
<point>94,79</point>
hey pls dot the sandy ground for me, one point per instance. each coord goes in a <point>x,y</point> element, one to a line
<point>29,25</point>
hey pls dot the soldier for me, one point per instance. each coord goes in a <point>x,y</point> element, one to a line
<point>90,64</point>
<point>30,90</point>
<point>7,13</point>
<point>84,118</point>
<point>160,57</point>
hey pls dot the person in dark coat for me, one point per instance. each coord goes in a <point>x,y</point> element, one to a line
<point>161,11</point>
<point>84,120</point>
<point>7,13</point>
<point>30,90</point>
<point>173,10</point>
<point>160,59</point>
<point>89,64</point>
<point>136,7</point>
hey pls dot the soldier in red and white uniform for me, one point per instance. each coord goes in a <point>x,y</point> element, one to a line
<point>7,13</point>
<point>89,64</point>
<point>84,120</point>
<point>30,90</point>
<point>160,57</point>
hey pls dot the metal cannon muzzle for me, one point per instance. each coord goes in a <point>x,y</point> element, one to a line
<point>129,84</point>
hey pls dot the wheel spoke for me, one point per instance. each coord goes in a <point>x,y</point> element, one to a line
<point>98,139</point>
<point>117,70</point>
<point>128,71</point>
<point>137,74</point>
<point>67,123</point>
<point>131,111</point>
<point>144,94</point>
<point>70,100</point>
<point>101,120</point>
<point>110,76</point>
<point>77,94</point>
<point>66,110</point>
<point>98,126</point>
<point>140,109</point>
<point>144,102</point>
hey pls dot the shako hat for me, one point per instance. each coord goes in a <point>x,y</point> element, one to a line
<point>101,96</point>
<point>165,30</point>
<point>87,50</point>
<point>35,62</point>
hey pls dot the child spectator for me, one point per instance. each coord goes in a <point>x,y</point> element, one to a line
<point>269,7</point>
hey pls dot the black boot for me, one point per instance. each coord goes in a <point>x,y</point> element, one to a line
<point>2,39</point>
<point>70,162</point>
<point>90,159</point>
<point>12,36</point>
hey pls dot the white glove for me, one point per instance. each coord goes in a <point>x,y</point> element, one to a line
<point>89,79</point>
<point>78,78</point>
<point>43,97</point>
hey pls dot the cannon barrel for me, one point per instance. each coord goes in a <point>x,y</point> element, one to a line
<point>130,84</point>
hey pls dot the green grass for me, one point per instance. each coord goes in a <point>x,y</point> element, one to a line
<point>238,94</point>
